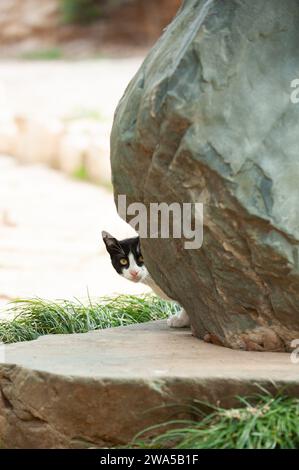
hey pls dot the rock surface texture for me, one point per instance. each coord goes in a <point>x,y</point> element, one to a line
<point>99,389</point>
<point>208,118</point>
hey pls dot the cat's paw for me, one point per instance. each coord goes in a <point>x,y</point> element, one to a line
<point>179,320</point>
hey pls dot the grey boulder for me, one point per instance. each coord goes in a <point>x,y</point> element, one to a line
<point>208,118</point>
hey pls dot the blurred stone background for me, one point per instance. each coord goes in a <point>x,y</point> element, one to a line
<point>64,65</point>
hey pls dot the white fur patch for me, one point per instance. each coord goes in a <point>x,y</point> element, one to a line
<point>179,320</point>
<point>133,266</point>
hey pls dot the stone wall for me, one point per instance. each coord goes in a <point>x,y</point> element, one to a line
<point>60,113</point>
<point>138,21</point>
<point>20,19</point>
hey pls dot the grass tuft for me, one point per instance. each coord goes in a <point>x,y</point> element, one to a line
<point>80,11</point>
<point>36,317</point>
<point>263,422</point>
<point>81,173</point>
<point>43,54</point>
<point>81,113</point>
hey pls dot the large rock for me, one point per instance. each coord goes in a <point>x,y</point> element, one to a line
<point>99,389</point>
<point>208,118</point>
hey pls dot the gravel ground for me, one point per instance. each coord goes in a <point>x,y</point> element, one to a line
<point>60,88</point>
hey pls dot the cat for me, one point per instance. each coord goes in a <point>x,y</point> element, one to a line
<point>127,260</point>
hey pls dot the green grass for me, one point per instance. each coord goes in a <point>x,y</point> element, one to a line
<point>44,54</point>
<point>85,12</point>
<point>262,422</point>
<point>80,113</point>
<point>81,173</point>
<point>36,317</point>
<point>80,11</point>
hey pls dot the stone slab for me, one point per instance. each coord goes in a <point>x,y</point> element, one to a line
<point>101,388</point>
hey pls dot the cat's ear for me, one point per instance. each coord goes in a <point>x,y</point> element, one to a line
<point>111,243</point>
<point>138,245</point>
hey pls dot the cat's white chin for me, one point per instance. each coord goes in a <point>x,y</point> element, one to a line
<point>135,279</point>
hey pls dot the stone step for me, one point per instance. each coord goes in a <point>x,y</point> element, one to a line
<point>99,389</point>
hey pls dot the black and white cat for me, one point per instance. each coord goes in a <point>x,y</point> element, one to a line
<point>128,262</point>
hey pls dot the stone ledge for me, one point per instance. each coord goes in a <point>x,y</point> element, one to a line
<point>101,388</point>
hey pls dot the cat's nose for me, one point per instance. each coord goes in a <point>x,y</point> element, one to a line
<point>134,273</point>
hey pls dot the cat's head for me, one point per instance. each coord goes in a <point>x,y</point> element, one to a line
<point>126,257</point>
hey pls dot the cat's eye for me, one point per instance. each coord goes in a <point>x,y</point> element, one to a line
<point>140,259</point>
<point>123,261</point>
